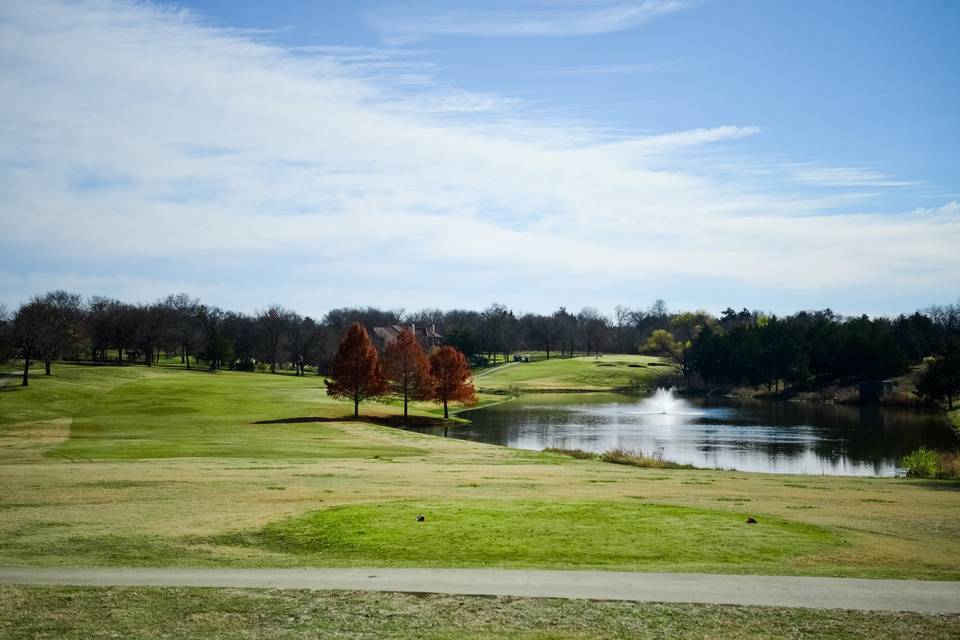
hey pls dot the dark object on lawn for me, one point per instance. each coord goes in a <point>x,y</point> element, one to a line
<point>420,518</point>
<point>751,521</point>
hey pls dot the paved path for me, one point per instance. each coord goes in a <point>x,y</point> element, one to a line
<point>823,593</point>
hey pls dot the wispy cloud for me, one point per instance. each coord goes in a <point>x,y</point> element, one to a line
<point>143,150</point>
<point>615,69</point>
<point>847,177</point>
<point>529,18</point>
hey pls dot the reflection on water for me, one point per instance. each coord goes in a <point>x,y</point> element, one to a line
<point>749,435</point>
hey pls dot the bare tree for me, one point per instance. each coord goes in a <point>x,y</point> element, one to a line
<point>274,324</point>
<point>27,336</point>
<point>60,326</point>
<point>216,346</point>
<point>6,346</point>
<point>594,325</point>
<point>185,325</point>
<point>153,322</point>
<point>498,330</point>
<point>243,332</point>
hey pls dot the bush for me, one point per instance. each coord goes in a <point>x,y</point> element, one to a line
<point>927,463</point>
<point>921,463</point>
<point>950,466</point>
<point>631,457</point>
<point>637,458</point>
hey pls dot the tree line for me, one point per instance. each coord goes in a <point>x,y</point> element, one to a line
<point>60,325</point>
<point>809,349</point>
<point>745,347</point>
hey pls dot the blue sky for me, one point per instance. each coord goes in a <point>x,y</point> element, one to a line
<point>774,155</point>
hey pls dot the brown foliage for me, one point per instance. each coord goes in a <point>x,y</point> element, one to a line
<point>407,369</point>
<point>356,371</point>
<point>451,375</point>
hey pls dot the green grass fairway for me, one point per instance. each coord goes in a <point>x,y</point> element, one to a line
<point>135,413</point>
<point>525,533</point>
<point>128,466</point>
<point>79,613</point>
<point>585,373</point>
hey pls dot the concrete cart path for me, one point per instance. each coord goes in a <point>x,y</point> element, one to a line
<point>779,591</point>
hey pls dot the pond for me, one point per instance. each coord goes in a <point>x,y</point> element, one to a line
<point>727,433</point>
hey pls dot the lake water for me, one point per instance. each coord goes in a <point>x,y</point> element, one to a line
<point>748,435</point>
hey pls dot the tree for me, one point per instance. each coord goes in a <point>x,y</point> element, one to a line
<point>60,314</point>
<point>407,368</point>
<point>594,326</point>
<point>710,355</point>
<point>565,325</point>
<point>356,371</point>
<point>216,347</point>
<point>303,338</point>
<point>27,335</point>
<point>941,379</point>
<point>451,375</point>
<point>274,323</point>
<point>497,327</point>
<point>6,337</point>
<point>152,323</point>
<point>185,326</point>
<point>662,343</point>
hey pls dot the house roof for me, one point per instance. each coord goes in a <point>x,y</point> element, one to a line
<point>392,331</point>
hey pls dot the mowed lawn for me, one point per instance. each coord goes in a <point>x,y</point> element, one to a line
<point>79,613</point>
<point>583,373</point>
<point>160,467</point>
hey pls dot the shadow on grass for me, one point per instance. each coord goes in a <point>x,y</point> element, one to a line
<point>385,421</point>
<point>936,485</point>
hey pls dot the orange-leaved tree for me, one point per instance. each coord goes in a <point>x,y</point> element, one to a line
<point>451,375</point>
<point>356,372</point>
<point>407,369</point>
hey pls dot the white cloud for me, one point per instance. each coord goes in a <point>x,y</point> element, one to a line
<point>145,150</point>
<point>530,18</point>
<point>615,69</point>
<point>847,177</point>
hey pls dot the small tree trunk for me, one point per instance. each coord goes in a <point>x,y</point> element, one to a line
<point>356,407</point>
<point>46,366</point>
<point>446,414</point>
<point>26,372</point>
<point>405,400</point>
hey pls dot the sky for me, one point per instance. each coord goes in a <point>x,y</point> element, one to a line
<point>445,153</point>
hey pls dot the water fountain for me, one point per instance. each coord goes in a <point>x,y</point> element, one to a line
<point>663,401</point>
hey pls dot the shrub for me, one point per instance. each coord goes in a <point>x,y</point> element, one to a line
<point>630,457</point>
<point>921,463</point>
<point>637,458</point>
<point>927,463</point>
<point>950,466</point>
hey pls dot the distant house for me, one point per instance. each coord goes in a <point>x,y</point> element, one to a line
<point>428,336</point>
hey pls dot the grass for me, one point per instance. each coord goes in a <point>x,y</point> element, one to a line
<point>585,373</point>
<point>514,533</point>
<point>78,613</point>
<point>108,466</point>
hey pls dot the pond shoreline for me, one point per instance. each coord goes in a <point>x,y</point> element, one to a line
<point>712,431</point>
